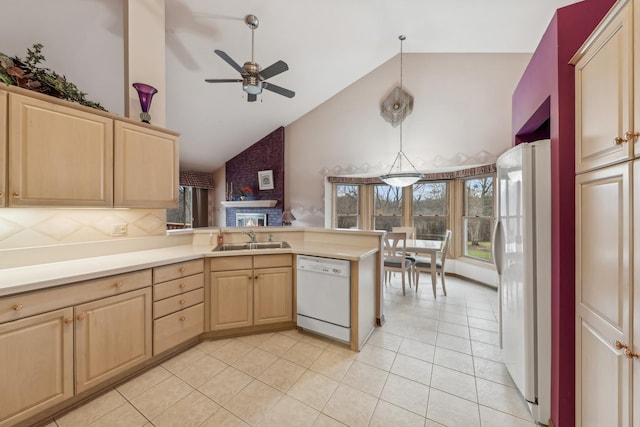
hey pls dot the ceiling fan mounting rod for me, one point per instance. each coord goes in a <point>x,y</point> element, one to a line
<point>252,22</point>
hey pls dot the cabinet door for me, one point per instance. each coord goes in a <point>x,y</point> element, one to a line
<point>4,99</point>
<point>146,167</point>
<point>272,295</point>
<point>603,95</point>
<point>112,335</point>
<point>231,299</point>
<point>603,293</point>
<point>635,308</point>
<point>59,156</point>
<point>36,364</point>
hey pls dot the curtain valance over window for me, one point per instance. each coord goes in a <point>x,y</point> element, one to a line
<point>197,179</point>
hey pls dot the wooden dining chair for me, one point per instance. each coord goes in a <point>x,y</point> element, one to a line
<point>395,258</point>
<point>411,235</point>
<point>424,264</point>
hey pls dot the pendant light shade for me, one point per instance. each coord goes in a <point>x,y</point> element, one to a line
<point>397,177</point>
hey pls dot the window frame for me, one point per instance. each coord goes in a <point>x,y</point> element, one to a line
<point>465,217</point>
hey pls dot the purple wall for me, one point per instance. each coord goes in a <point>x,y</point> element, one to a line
<point>547,91</point>
<point>242,170</point>
<point>266,154</point>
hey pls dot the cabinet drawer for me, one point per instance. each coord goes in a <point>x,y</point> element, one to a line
<point>177,328</point>
<point>22,305</point>
<point>177,287</point>
<point>178,302</point>
<point>232,263</point>
<point>275,260</point>
<point>178,270</point>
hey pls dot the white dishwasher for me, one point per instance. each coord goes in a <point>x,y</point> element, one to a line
<point>324,296</point>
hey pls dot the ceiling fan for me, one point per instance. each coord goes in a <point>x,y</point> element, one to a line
<point>253,77</point>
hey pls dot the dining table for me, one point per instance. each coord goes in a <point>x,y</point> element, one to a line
<point>426,247</point>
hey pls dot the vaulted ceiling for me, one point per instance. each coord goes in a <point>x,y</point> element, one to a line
<point>327,44</point>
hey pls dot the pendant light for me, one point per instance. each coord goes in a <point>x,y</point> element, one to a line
<point>396,176</point>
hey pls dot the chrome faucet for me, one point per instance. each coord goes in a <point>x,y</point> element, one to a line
<point>251,234</point>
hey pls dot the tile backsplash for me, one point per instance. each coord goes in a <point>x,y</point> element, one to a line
<point>21,228</point>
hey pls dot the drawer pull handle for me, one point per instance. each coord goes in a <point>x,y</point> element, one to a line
<point>1,194</point>
<point>80,316</point>
<point>182,318</point>
<point>119,284</point>
<point>181,285</point>
<point>626,351</point>
<point>18,307</point>
<point>16,195</point>
<point>182,301</point>
<point>628,136</point>
<point>68,321</point>
<point>181,269</point>
<point>256,277</point>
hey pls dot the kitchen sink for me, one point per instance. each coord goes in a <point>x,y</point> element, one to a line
<point>250,246</point>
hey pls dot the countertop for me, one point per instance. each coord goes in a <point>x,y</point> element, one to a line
<point>41,276</point>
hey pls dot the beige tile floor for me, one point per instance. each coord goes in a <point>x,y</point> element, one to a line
<point>434,362</point>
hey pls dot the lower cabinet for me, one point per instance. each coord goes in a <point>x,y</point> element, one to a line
<point>112,335</point>
<point>251,290</point>
<point>231,299</point>
<point>273,295</point>
<point>178,304</point>
<point>36,364</point>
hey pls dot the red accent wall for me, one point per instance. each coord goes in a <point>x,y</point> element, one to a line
<point>546,91</point>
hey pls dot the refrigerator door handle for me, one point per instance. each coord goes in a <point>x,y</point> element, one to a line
<point>498,246</point>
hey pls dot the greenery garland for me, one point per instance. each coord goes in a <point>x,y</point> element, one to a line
<point>27,74</point>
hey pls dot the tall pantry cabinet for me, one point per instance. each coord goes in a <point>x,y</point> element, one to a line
<point>607,329</point>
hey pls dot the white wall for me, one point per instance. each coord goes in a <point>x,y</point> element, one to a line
<point>461,115</point>
<point>83,40</point>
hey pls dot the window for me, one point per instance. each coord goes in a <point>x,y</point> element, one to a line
<point>192,210</point>
<point>347,202</point>
<point>478,217</point>
<point>387,207</point>
<point>430,210</point>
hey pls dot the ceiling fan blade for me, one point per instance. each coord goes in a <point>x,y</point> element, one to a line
<point>273,70</point>
<point>230,61</point>
<point>222,80</point>
<point>279,90</point>
<point>251,97</point>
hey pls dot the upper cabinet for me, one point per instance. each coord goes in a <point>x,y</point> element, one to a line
<point>59,156</point>
<point>4,99</point>
<point>606,131</point>
<point>56,153</point>
<point>146,167</point>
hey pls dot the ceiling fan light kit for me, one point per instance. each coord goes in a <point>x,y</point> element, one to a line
<point>395,108</point>
<point>253,77</point>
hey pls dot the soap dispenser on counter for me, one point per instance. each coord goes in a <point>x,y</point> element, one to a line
<point>220,238</point>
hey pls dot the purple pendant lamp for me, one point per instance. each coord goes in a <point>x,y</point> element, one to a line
<point>145,93</point>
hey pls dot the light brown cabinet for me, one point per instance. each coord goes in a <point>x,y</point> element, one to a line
<point>59,156</point>
<point>4,102</point>
<point>90,330</point>
<point>36,364</point>
<point>272,295</point>
<point>178,304</point>
<point>56,153</point>
<point>250,290</point>
<point>111,335</point>
<point>146,167</point>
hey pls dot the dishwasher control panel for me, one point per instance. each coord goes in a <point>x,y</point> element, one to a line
<point>331,266</point>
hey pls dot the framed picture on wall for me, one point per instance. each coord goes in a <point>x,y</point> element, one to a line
<point>265,180</point>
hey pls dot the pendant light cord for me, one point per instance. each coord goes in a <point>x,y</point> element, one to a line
<point>402,39</point>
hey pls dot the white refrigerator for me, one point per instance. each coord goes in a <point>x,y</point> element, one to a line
<point>522,254</point>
